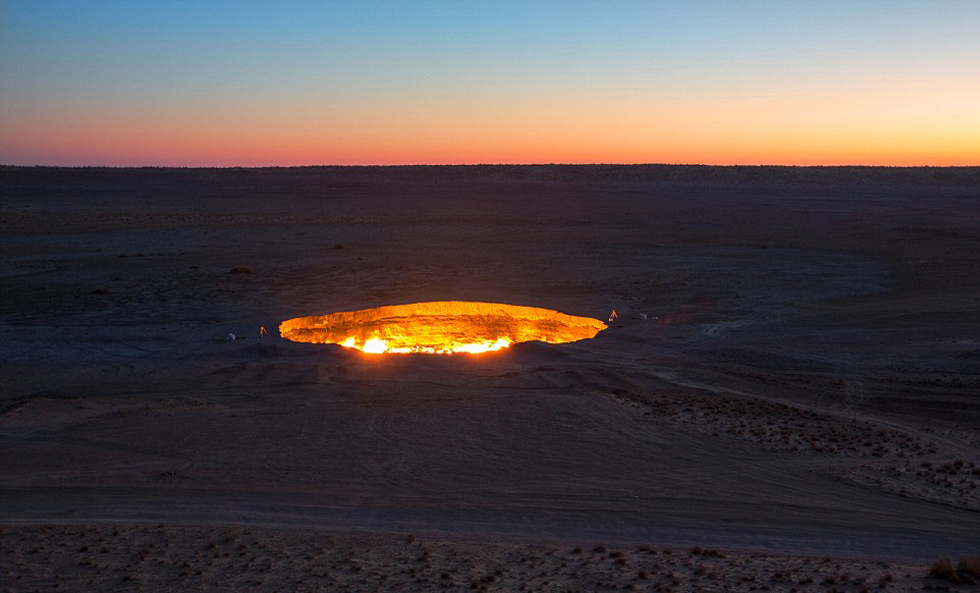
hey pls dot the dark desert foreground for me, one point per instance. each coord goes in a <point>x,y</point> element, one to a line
<point>801,402</point>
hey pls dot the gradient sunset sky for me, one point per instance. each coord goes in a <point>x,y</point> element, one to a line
<point>294,83</point>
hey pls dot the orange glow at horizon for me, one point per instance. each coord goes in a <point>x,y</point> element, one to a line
<point>819,128</point>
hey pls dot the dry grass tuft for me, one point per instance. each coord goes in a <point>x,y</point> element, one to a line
<point>970,566</point>
<point>966,572</point>
<point>943,569</point>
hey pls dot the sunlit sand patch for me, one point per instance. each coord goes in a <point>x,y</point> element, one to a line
<point>440,327</point>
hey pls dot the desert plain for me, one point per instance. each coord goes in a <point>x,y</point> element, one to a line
<point>788,400</point>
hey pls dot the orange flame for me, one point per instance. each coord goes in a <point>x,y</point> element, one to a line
<point>440,327</point>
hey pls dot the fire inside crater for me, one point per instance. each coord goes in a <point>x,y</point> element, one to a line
<point>440,327</point>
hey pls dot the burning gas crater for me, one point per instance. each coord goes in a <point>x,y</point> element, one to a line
<point>440,327</point>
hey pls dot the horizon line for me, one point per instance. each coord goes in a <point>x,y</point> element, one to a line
<point>555,164</point>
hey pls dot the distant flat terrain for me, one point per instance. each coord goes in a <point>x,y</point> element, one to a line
<point>805,381</point>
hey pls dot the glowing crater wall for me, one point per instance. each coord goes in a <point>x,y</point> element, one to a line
<point>440,327</point>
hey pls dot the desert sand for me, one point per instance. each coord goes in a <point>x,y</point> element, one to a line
<point>802,398</point>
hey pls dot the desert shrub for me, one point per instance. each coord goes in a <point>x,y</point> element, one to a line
<point>970,566</point>
<point>943,569</point>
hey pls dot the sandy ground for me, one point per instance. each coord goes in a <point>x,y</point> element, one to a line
<point>166,558</point>
<point>806,381</point>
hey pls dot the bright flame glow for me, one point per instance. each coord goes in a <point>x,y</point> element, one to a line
<point>442,327</point>
<point>373,346</point>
